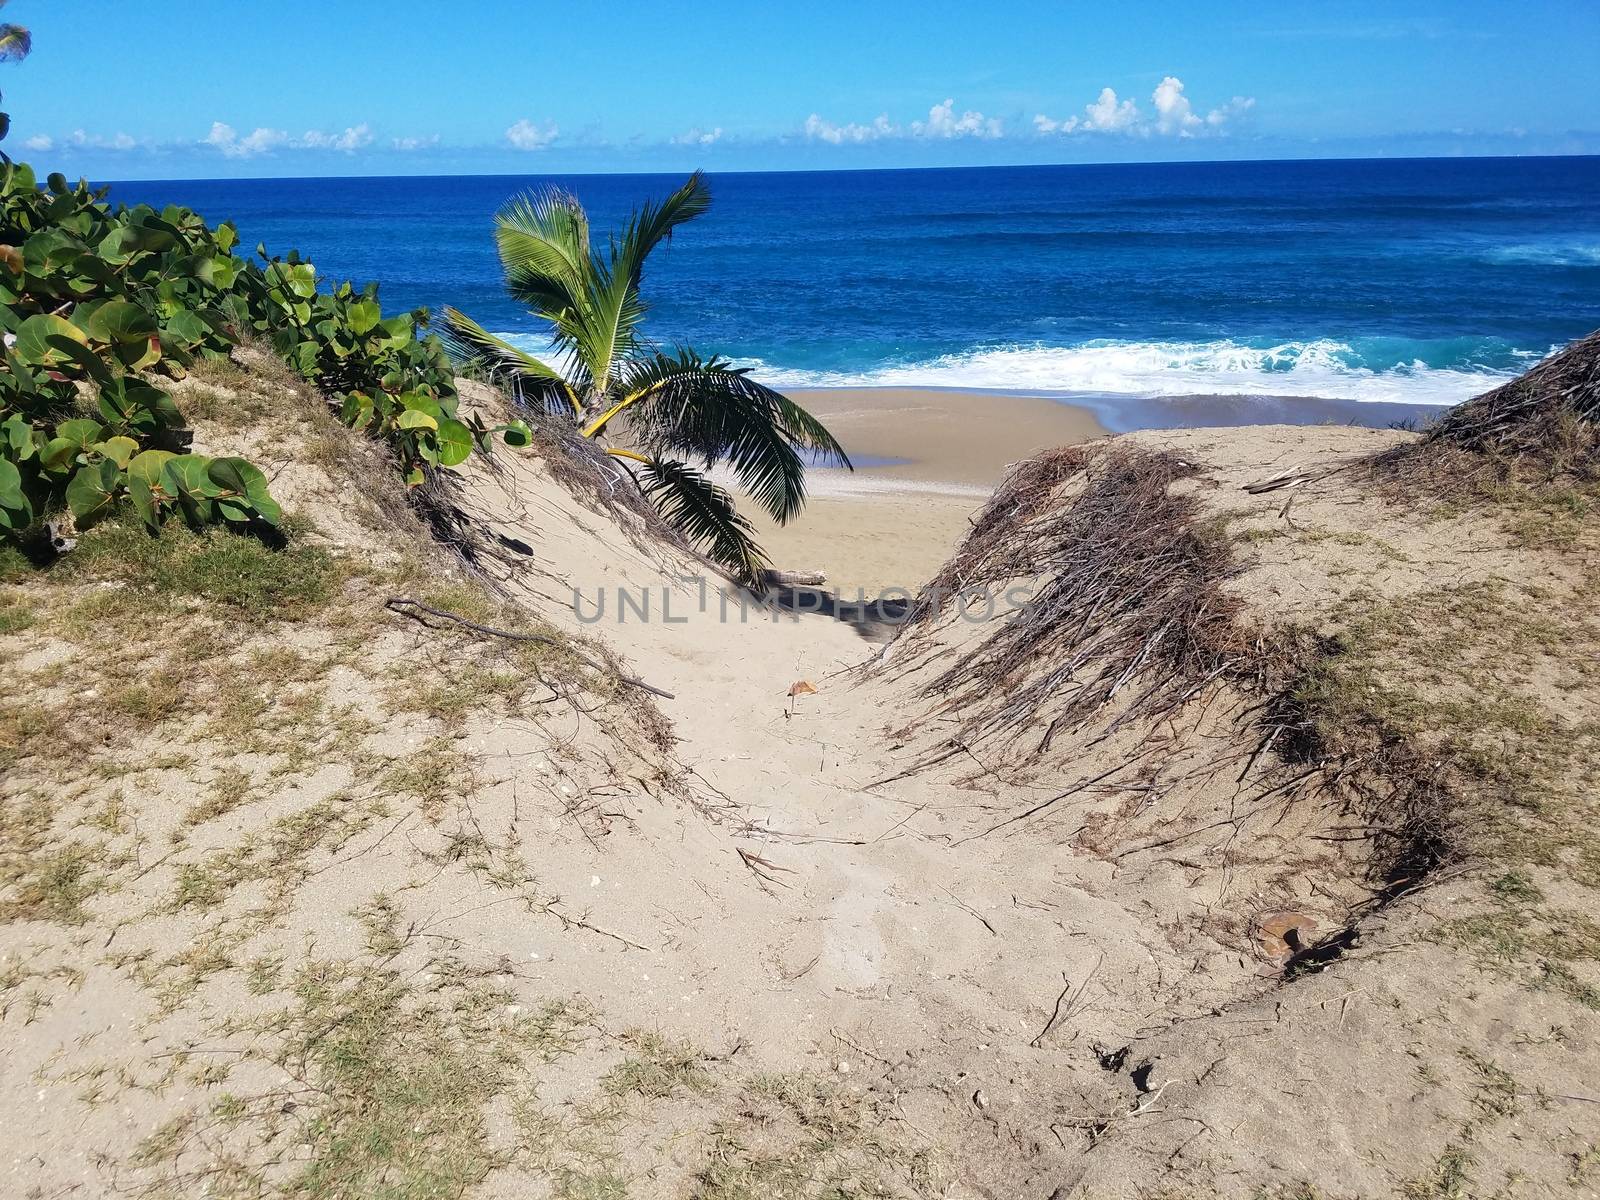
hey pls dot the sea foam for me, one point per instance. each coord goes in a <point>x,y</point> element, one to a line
<point>1323,368</point>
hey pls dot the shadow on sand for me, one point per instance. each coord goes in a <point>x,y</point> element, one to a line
<point>875,620</point>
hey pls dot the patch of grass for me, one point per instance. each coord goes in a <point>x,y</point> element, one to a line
<point>391,1092</point>
<point>16,613</point>
<point>43,877</point>
<point>433,776</point>
<point>231,789</point>
<point>262,974</point>
<point>1494,1093</point>
<point>176,979</point>
<point>1479,703</point>
<point>278,856</point>
<point>1450,1177</point>
<point>1585,1164</point>
<point>450,697</point>
<point>231,568</point>
<point>56,886</point>
<point>1346,537</point>
<point>799,1137</point>
<point>1544,516</point>
<point>657,1068</point>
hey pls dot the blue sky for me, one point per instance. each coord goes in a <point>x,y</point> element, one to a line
<point>202,90</point>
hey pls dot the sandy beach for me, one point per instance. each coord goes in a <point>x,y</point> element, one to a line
<point>926,460</point>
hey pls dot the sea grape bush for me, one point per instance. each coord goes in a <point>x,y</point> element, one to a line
<point>97,305</point>
<point>387,381</point>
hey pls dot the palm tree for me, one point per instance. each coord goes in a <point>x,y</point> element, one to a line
<point>15,42</point>
<point>682,413</point>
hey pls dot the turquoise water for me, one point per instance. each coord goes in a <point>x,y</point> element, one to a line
<point>1413,282</point>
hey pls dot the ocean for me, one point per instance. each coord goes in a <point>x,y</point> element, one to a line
<point>1410,282</point>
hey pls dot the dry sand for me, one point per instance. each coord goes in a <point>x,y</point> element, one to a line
<point>792,964</point>
<point>926,461</point>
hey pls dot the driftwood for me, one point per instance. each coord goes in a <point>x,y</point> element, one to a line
<point>793,578</point>
<point>407,607</point>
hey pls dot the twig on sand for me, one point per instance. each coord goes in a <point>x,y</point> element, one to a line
<point>572,922</point>
<point>1059,1013</point>
<point>762,868</point>
<point>858,1048</point>
<point>1044,804</point>
<point>964,906</point>
<point>401,605</point>
<point>1097,1126</point>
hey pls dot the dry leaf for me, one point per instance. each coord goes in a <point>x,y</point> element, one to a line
<point>1282,935</point>
<point>802,687</point>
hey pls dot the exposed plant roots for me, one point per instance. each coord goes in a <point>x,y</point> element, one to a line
<point>1405,795</point>
<point>1132,622</point>
<point>1132,597</point>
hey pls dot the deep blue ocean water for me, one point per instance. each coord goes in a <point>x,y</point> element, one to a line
<point>1417,281</point>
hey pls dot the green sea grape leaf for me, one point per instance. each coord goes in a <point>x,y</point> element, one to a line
<point>119,450</point>
<point>37,339</point>
<point>365,315</point>
<point>248,486</point>
<point>126,401</point>
<point>11,496</point>
<point>92,490</point>
<point>187,474</point>
<point>413,418</point>
<point>235,475</point>
<point>19,437</point>
<point>121,321</point>
<point>81,432</point>
<point>454,442</point>
<point>58,454</point>
<point>145,501</point>
<point>356,411</point>
<point>148,465</point>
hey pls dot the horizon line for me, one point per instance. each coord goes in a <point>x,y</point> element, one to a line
<point>1180,162</point>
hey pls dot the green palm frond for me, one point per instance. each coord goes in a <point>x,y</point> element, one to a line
<point>714,412</point>
<point>543,239</point>
<point>679,406</point>
<point>705,514</point>
<point>604,335</point>
<point>474,348</point>
<point>15,42</point>
<point>655,222</point>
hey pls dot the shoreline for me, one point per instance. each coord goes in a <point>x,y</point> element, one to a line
<point>928,458</point>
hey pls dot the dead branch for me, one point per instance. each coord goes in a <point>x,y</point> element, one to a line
<point>401,605</point>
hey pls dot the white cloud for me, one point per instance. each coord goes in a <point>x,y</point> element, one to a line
<point>525,135</point>
<point>262,140</point>
<point>698,137</point>
<point>96,141</point>
<point>1174,115</point>
<point>816,129</point>
<point>942,122</point>
<point>39,141</point>
<point>1173,111</point>
<point>355,138</point>
<point>1108,115</point>
<point>1239,105</point>
<point>408,144</point>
